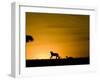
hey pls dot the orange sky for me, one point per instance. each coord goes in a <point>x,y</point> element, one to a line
<point>65,34</point>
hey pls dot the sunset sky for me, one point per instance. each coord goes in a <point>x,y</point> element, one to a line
<point>65,34</point>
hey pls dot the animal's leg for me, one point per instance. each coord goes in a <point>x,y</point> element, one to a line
<point>50,57</point>
<point>56,57</point>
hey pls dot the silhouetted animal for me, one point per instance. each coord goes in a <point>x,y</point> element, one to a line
<point>29,38</point>
<point>54,54</point>
<point>66,57</point>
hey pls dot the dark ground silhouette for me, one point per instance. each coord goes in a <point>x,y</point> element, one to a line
<point>57,62</point>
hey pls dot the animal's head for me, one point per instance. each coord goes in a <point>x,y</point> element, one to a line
<point>51,51</point>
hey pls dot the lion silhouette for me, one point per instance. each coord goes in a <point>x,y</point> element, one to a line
<point>54,54</point>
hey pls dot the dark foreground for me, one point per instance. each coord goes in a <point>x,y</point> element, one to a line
<point>56,62</point>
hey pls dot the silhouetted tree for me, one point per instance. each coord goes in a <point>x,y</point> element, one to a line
<point>29,38</point>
